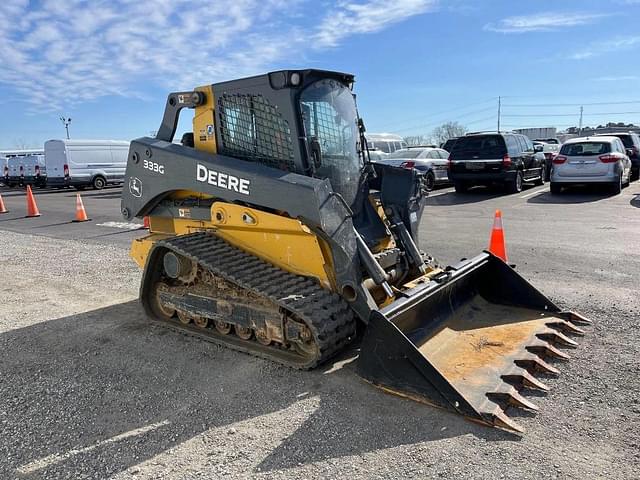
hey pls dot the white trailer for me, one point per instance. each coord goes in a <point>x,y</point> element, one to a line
<point>84,163</point>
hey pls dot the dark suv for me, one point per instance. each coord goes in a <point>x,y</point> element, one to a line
<point>631,142</point>
<point>488,158</point>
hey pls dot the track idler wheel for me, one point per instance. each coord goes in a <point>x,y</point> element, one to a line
<point>184,317</point>
<point>263,337</point>
<point>223,327</point>
<point>201,322</point>
<point>243,332</point>
<point>163,311</point>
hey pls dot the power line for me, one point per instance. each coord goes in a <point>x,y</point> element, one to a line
<point>442,112</point>
<point>567,114</point>
<point>436,122</point>
<point>628,102</point>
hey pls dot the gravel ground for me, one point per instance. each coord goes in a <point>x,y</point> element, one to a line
<point>89,390</point>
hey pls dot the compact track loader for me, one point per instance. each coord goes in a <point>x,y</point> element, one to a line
<point>272,233</point>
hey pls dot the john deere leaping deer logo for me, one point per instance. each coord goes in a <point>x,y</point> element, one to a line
<point>135,187</point>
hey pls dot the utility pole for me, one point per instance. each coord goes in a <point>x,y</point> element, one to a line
<point>499,106</point>
<point>66,122</point>
<point>580,124</point>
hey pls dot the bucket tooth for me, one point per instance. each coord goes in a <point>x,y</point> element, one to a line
<point>556,337</point>
<point>543,348</point>
<point>566,327</point>
<point>502,420</point>
<point>522,377</point>
<point>513,398</point>
<point>574,317</point>
<point>535,363</point>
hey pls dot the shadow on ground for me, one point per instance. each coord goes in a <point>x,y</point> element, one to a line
<point>574,194</point>
<point>79,384</point>
<point>474,195</point>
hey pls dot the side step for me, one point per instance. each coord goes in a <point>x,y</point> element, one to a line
<point>469,343</point>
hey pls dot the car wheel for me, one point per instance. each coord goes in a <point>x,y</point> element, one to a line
<point>616,188</point>
<point>461,187</point>
<point>99,183</point>
<point>429,181</point>
<point>555,188</point>
<point>515,186</point>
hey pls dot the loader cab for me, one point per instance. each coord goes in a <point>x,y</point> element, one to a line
<point>302,121</point>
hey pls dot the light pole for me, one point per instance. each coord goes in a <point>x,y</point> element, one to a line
<point>66,122</point>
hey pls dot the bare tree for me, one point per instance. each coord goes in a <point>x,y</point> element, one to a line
<point>20,144</point>
<point>448,130</point>
<point>417,140</point>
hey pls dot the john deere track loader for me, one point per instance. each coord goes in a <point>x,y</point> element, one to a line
<point>272,233</point>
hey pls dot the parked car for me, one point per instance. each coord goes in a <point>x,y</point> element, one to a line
<point>485,158</point>
<point>631,140</point>
<point>375,154</point>
<point>552,140</point>
<point>83,163</point>
<point>431,162</point>
<point>448,145</point>
<point>550,150</point>
<point>585,160</point>
<point>385,142</point>
<point>26,170</point>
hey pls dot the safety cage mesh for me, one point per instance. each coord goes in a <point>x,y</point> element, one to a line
<point>252,129</point>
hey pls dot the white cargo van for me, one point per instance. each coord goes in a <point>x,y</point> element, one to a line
<point>26,170</point>
<point>83,163</point>
<point>385,142</point>
<point>5,169</point>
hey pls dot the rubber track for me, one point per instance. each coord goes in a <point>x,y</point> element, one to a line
<point>328,316</point>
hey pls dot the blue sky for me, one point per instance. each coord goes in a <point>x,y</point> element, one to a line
<point>418,63</point>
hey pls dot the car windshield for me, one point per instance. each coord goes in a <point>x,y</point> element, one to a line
<point>584,149</point>
<point>329,115</point>
<point>406,153</point>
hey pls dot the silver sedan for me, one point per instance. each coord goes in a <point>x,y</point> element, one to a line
<point>431,162</point>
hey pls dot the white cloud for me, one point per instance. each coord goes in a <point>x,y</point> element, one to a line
<point>606,46</point>
<point>617,78</point>
<point>545,21</point>
<point>352,17</point>
<point>66,52</point>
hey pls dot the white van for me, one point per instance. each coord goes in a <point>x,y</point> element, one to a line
<point>5,169</point>
<point>83,163</point>
<point>26,170</point>
<point>385,142</point>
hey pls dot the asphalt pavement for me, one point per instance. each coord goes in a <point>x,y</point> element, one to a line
<point>57,209</point>
<point>88,389</point>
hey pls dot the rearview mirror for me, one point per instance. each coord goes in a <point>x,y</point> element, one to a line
<point>630,152</point>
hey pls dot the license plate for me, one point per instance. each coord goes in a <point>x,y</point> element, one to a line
<point>475,165</point>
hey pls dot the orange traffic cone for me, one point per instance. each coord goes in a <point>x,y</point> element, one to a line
<point>81,214</point>
<point>32,208</point>
<point>145,223</point>
<point>496,242</point>
<point>3,209</point>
